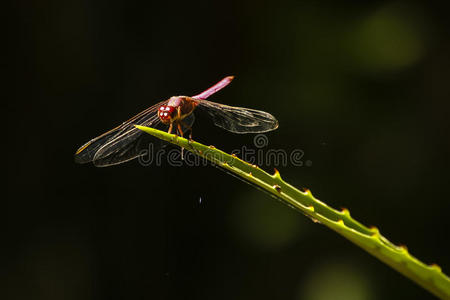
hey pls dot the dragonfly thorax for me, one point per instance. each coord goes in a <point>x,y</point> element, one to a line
<point>176,109</point>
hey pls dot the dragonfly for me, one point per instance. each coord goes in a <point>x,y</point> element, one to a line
<point>176,114</point>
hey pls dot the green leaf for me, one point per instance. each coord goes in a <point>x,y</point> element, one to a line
<point>429,277</point>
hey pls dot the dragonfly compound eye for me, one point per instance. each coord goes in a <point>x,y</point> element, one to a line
<point>165,113</point>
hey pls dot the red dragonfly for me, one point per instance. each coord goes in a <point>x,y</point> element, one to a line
<point>126,142</point>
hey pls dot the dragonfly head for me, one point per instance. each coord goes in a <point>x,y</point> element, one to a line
<point>166,113</point>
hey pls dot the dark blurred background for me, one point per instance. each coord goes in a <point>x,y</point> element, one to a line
<point>361,88</point>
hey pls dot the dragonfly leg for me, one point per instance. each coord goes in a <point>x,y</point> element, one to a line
<point>181,133</point>
<point>180,130</point>
<point>170,128</point>
<point>188,128</point>
<point>190,135</point>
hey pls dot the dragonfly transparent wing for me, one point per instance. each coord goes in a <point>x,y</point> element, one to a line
<point>133,142</point>
<point>129,144</point>
<point>238,119</point>
<point>86,152</point>
<point>122,143</point>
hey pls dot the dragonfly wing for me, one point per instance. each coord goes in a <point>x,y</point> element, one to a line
<point>121,143</point>
<point>126,145</point>
<point>238,119</point>
<point>123,149</point>
<point>133,143</point>
<point>86,152</point>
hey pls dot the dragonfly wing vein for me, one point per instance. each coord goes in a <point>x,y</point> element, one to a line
<point>121,143</point>
<point>239,119</point>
